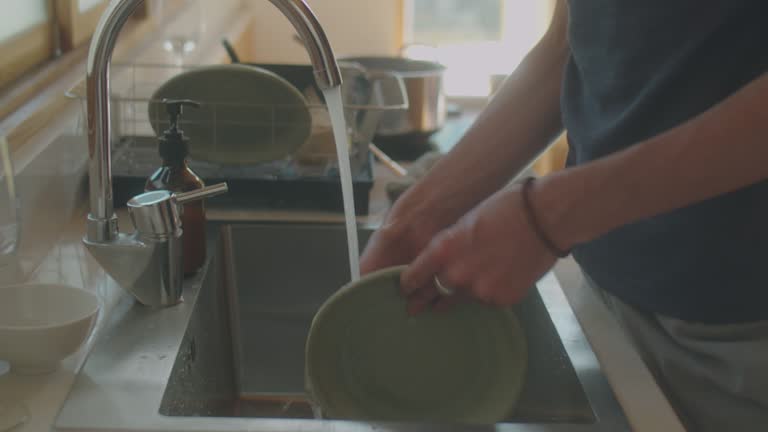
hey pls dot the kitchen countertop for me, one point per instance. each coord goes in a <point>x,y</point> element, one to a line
<point>66,263</point>
<point>69,263</point>
<point>645,406</point>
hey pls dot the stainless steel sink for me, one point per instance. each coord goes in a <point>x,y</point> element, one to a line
<point>231,358</point>
<point>243,353</point>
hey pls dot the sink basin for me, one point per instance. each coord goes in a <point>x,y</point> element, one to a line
<point>243,352</point>
<point>230,358</point>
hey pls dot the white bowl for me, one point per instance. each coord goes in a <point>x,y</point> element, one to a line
<point>40,325</point>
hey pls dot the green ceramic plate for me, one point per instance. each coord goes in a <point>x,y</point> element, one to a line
<point>249,115</point>
<point>366,359</point>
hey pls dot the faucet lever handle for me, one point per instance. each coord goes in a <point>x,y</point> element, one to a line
<point>157,212</point>
<point>202,193</point>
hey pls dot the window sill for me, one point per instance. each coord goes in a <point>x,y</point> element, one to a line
<point>469,102</point>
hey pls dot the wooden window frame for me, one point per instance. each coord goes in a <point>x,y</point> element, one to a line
<point>144,10</point>
<point>75,27</point>
<point>30,61</point>
<point>402,21</point>
<point>66,29</point>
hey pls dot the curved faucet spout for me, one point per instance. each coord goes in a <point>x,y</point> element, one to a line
<point>102,224</point>
<point>149,266</point>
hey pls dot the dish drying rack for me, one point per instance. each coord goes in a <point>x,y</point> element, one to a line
<point>305,179</point>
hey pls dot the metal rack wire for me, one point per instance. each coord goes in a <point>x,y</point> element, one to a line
<point>133,87</point>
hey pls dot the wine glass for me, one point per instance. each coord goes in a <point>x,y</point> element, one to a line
<point>182,27</point>
<point>10,224</point>
<point>12,412</point>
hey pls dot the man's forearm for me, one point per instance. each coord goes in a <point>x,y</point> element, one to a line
<point>719,151</point>
<point>516,126</point>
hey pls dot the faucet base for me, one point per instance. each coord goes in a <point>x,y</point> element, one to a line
<point>150,269</point>
<point>102,230</point>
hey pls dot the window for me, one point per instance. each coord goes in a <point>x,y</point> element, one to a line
<point>26,36</point>
<point>437,22</point>
<point>476,39</point>
<point>28,14</point>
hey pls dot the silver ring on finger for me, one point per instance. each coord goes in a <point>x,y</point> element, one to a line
<point>443,289</point>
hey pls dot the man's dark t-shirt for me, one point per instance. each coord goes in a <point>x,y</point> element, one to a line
<point>638,68</point>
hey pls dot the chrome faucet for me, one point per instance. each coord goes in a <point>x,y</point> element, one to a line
<point>147,263</point>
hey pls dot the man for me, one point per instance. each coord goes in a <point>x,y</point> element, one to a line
<point>664,203</point>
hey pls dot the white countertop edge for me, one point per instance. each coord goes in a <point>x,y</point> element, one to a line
<point>645,405</point>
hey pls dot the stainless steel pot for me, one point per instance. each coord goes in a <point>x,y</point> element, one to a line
<point>424,84</point>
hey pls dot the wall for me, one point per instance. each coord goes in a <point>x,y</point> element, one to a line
<point>354,27</point>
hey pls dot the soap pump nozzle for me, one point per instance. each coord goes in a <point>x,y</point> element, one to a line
<point>175,108</point>
<point>173,143</point>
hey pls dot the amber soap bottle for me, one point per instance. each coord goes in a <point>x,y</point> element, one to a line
<point>176,176</point>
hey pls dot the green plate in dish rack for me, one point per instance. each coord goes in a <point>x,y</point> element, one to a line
<point>367,360</point>
<point>249,115</point>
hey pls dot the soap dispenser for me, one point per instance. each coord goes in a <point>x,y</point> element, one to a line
<point>176,176</point>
